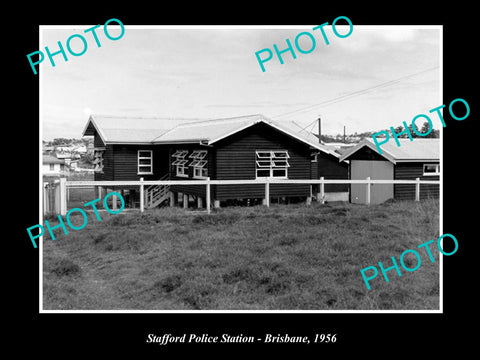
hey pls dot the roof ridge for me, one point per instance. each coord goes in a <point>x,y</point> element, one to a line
<point>212,120</point>
<point>208,122</point>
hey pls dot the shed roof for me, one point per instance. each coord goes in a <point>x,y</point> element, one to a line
<point>131,130</point>
<point>417,150</point>
<point>49,159</point>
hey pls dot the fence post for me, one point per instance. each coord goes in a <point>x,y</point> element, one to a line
<point>63,196</point>
<point>267,193</point>
<point>207,195</point>
<point>114,201</point>
<point>309,198</point>
<point>368,190</point>
<point>54,197</point>
<point>322,191</point>
<point>45,198</point>
<point>142,196</point>
<point>417,189</point>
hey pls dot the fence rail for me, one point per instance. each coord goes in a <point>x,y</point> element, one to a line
<point>64,184</point>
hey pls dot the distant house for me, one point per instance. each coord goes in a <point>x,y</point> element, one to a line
<point>248,147</point>
<point>80,150</point>
<point>52,166</point>
<point>419,158</point>
<point>67,154</point>
<point>48,149</point>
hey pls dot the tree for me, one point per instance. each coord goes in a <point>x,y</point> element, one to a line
<point>87,160</point>
<point>426,127</point>
<point>60,141</point>
<point>412,132</point>
<point>398,130</point>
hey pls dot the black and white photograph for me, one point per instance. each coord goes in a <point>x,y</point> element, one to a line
<point>275,241</point>
<point>226,184</point>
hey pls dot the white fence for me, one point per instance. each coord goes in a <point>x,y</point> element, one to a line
<point>63,184</point>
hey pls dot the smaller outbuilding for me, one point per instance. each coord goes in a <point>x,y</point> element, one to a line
<point>412,159</point>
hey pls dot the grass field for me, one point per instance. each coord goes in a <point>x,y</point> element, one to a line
<point>284,257</point>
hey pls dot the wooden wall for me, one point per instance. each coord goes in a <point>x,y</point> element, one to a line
<point>236,158</point>
<point>410,171</point>
<point>330,168</point>
<point>120,162</point>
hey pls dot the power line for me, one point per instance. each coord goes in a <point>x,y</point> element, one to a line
<point>354,94</point>
<point>312,124</point>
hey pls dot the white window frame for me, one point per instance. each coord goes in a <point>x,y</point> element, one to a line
<point>437,170</point>
<point>271,161</point>
<point>199,164</point>
<point>200,169</point>
<point>198,154</point>
<point>180,154</point>
<point>143,165</point>
<point>200,172</point>
<point>181,163</point>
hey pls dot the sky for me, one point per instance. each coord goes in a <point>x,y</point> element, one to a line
<point>212,72</point>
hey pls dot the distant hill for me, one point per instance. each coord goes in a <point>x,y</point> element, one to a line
<point>356,137</point>
<point>68,142</point>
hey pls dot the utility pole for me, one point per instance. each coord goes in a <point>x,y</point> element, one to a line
<point>319,129</point>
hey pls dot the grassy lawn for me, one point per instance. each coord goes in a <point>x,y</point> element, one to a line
<point>284,257</point>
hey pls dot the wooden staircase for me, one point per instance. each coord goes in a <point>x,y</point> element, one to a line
<point>157,195</point>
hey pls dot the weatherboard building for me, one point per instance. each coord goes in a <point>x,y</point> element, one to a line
<point>247,147</point>
<point>419,158</point>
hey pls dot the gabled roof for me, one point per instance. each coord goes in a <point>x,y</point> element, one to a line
<point>128,130</point>
<point>418,150</point>
<point>208,131</point>
<point>124,129</point>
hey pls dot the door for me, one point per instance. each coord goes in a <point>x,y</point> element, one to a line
<point>377,170</point>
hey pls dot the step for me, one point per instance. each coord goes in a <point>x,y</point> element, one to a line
<point>157,202</point>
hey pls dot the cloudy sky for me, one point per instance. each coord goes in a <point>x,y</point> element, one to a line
<point>198,72</point>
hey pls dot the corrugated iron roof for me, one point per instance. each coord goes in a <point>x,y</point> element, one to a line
<point>115,129</point>
<point>126,129</point>
<point>417,150</point>
<point>208,130</point>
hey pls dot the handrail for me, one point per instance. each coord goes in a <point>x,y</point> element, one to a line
<point>267,182</point>
<point>154,193</point>
<point>163,178</point>
<point>256,181</point>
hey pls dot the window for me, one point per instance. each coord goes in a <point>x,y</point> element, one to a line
<point>272,164</point>
<point>431,169</point>
<point>180,153</point>
<point>200,169</point>
<point>52,167</point>
<point>180,163</point>
<point>145,162</point>
<point>199,165</point>
<point>198,154</point>
<point>98,160</point>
